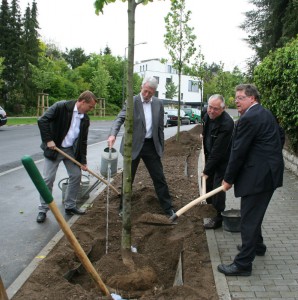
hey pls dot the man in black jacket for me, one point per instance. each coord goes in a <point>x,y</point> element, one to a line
<point>256,169</point>
<point>217,134</point>
<point>65,125</point>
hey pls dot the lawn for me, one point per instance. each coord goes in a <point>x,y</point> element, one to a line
<point>33,120</point>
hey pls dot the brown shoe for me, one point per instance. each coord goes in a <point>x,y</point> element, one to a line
<point>213,223</point>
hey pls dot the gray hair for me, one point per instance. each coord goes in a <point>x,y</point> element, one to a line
<point>152,82</point>
<point>218,96</point>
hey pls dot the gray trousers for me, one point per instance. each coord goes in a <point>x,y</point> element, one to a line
<point>74,174</point>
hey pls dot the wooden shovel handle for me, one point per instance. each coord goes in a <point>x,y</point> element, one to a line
<point>203,164</point>
<point>78,249</point>
<point>88,170</point>
<point>196,201</point>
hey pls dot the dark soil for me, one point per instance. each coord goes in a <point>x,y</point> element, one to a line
<point>158,246</point>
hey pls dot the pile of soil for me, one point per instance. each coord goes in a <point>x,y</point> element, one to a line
<point>157,247</point>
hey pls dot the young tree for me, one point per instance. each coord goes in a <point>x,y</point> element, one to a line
<point>127,181</point>
<point>179,40</point>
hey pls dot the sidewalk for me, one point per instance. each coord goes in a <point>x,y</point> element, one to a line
<point>275,275</point>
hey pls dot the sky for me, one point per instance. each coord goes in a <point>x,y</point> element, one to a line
<point>73,23</point>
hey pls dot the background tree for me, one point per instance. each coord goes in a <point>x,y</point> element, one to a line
<point>171,89</point>
<point>5,29</point>
<point>30,52</point>
<point>75,57</point>
<point>1,71</point>
<point>270,25</point>
<point>179,40</point>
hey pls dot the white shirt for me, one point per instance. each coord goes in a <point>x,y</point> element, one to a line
<point>74,129</point>
<point>148,117</point>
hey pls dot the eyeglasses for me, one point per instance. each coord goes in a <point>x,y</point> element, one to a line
<point>241,98</point>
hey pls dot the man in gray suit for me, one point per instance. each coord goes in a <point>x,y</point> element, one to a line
<point>148,139</point>
<point>256,169</point>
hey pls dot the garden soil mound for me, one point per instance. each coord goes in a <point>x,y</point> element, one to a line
<point>158,249</point>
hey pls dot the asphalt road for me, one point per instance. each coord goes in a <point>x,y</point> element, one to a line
<point>17,141</point>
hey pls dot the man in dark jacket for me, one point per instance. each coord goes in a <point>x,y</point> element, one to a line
<point>217,134</point>
<point>65,125</point>
<point>256,169</point>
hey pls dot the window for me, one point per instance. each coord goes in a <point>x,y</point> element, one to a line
<point>169,69</point>
<point>157,78</point>
<point>168,80</point>
<point>193,86</point>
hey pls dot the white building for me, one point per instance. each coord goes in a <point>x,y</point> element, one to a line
<point>191,94</point>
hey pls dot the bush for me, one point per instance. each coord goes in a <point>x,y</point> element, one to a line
<point>276,79</point>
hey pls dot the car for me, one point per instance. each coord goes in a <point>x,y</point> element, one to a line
<point>3,117</point>
<point>171,117</point>
<point>194,114</point>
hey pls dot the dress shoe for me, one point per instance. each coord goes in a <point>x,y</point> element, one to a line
<point>170,212</point>
<point>41,217</point>
<point>258,253</point>
<point>213,223</point>
<point>74,211</point>
<point>232,270</point>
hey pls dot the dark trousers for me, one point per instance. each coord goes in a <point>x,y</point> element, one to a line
<point>154,166</point>
<point>218,200</point>
<point>253,209</point>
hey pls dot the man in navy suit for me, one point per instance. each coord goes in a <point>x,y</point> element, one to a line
<point>256,169</point>
<point>147,139</point>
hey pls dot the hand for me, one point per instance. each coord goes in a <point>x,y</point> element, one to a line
<point>204,175</point>
<point>111,141</point>
<point>84,167</point>
<point>226,185</point>
<point>51,145</point>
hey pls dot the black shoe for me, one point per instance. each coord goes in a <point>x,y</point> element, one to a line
<point>74,211</point>
<point>232,270</point>
<point>41,217</point>
<point>258,253</point>
<point>213,223</point>
<point>170,213</point>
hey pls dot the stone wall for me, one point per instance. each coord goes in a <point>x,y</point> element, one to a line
<point>291,161</point>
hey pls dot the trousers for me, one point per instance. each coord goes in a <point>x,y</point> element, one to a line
<point>74,173</point>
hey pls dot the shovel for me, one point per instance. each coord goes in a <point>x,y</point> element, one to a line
<point>91,172</point>
<point>194,202</point>
<point>48,198</point>
<point>201,166</point>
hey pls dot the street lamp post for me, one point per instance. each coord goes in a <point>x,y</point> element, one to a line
<point>124,72</point>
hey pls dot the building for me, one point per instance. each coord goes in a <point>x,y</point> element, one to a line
<point>191,94</point>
